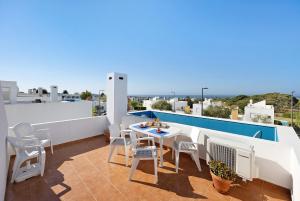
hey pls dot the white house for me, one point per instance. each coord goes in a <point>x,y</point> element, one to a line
<point>177,104</point>
<point>10,91</point>
<point>206,103</point>
<point>259,112</point>
<point>23,107</point>
<point>148,103</point>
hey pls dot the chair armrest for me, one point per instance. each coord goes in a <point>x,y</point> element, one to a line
<point>125,132</point>
<point>42,134</point>
<point>23,143</point>
<point>192,143</point>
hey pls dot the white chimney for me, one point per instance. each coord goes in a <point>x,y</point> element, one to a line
<point>116,97</point>
<point>53,93</point>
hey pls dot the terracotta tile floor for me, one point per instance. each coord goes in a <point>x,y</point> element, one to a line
<point>79,171</point>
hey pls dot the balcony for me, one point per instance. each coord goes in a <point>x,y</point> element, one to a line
<point>79,171</point>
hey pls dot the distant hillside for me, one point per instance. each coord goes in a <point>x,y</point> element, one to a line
<point>278,100</point>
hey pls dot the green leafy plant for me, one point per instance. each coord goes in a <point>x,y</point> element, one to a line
<point>220,169</point>
<point>162,105</point>
<point>86,95</point>
<point>217,111</point>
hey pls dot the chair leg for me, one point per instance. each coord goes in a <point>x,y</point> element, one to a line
<point>197,161</point>
<point>126,155</point>
<point>51,146</point>
<point>134,165</point>
<point>177,160</point>
<point>111,150</point>
<point>173,150</point>
<point>155,170</point>
<point>42,161</point>
<point>15,169</point>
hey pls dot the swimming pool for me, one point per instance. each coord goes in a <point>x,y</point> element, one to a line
<point>245,129</point>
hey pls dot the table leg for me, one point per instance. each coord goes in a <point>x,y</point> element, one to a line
<point>161,159</point>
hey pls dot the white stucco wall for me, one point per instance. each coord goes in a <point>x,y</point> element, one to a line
<point>47,112</point>
<point>3,152</point>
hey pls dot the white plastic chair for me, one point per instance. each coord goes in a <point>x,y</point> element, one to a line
<point>26,130</point>
<point>190,147</point>
<point>142,153</point>
<point>27,149</point>
<point>117,139</point>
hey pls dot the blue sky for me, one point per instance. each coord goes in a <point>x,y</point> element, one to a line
<point>232,47</point>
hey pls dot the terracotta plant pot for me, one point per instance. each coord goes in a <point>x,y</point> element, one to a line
<point>221,185</point>
<point>107,135</point>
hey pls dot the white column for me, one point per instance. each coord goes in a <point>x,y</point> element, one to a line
<point>3,150</point>
<point>116,91</point>
<point>53,93</point>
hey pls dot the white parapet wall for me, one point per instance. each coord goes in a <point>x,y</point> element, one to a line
<point>47,112</point>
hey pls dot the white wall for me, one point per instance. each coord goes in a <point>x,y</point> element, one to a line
<point>3,149</point>
<point>46,112</point>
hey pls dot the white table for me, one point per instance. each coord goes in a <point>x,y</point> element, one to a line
<point>172,131</point>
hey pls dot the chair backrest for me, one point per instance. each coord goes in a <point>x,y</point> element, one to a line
<point>195,135</point>
<point>133,139</point>
<point>23,129</point>
<point>114,130</point>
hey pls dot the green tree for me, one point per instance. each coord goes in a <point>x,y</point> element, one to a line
<point>162,105</point>
<point>103,97</point>
<point>217,111</point>
<point>189,101</point>
<point>44,91</point>
<point>86,95</point>
<point>135,104</point>
<point>65,92</point>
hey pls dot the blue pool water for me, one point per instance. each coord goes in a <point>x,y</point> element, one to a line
<point>264,132</point>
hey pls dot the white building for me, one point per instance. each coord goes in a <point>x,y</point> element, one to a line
<point>12,95</point>
<point>148,103</point>
<point>259,112</point>
<point>10,91</point>
<point>177,105</point>
<point>23,107</point>
<point>197,107</point>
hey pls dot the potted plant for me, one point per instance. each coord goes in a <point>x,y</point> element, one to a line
<point>222,176</point>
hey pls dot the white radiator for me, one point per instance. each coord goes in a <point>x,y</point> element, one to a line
<point>238,156</point>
